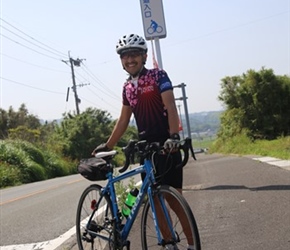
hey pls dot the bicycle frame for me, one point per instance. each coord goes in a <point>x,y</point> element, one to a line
<point>146,188</point>
<point>163,206</point>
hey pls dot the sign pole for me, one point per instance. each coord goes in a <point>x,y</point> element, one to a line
<point>154,24</point>
<point>158,52</point>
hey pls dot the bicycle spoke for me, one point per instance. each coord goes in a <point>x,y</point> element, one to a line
<point>94,228</point>
<point>184,230</point>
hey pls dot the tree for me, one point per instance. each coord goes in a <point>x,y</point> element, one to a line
<point>80,134</point>
<point>24,133</point>
<point>12,119</point>
<point>3,124</point>
<point>258,102</point>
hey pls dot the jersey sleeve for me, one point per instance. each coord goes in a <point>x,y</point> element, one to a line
<point>164,82</point>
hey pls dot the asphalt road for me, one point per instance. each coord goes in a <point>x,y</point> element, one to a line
<point>238,203</point>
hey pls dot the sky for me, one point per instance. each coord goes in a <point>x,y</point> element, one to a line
<point>205,42</point>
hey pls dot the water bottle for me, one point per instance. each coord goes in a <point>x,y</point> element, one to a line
<point>129,202</point>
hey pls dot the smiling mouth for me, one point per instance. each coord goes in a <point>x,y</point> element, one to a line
<point>131,65</point>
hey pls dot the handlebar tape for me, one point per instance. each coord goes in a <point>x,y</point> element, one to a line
<point>129,152</point>
<point>185,148</point>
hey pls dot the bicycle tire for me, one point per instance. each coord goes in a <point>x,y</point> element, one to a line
<point>148,232</point>
<point>101,223</point>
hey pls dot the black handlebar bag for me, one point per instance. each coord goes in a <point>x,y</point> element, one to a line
<point>94,169</point>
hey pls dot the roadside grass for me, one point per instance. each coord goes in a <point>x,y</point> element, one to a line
<point>242,145</point>
<point>203,143</point>
<point>22,162</point>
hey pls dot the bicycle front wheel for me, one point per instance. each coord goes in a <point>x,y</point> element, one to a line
<point>177,225</point>
<point>94,220</point>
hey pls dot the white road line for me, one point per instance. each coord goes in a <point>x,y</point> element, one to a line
<point>285,164</point>
<point>48,245</point>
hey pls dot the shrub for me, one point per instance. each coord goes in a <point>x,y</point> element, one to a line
<point>9,175</point>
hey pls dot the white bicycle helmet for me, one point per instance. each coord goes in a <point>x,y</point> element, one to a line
<point>131,41</point>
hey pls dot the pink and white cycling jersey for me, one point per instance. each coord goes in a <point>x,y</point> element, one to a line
<point>146,103</point>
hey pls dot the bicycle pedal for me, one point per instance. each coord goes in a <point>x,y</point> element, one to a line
<point>127,245</point>
<point>85,238</point>
<point>93,226</point>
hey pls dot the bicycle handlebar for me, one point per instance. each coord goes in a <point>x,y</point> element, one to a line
<point>186,147</point>
<point>143,147</point>
<point>129,154</point>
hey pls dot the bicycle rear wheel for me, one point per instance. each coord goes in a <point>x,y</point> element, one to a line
<point>94,226</point>
<point>183,223</point>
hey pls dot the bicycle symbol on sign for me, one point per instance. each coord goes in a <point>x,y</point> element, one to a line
<point>154,27</point>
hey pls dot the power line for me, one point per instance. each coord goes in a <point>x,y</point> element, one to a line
<point>35,65</point>
<point>29,41</point>
<point>82,98</point>
<point>89,73</point>
<point>229,28</point>
<point>29,48</point>
<point>29,86</point>
<point>59,53</point>
<point>51,51</point>
<point>77,62</point>
<point>109,91</point>
<point>102,99</point>
<point>94,93</point>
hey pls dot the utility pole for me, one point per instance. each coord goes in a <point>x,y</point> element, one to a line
<point>76,63</point>
<point>183,98</point>
<point>77,100</point>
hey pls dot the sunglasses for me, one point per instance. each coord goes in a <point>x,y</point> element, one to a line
<point>133,54</point>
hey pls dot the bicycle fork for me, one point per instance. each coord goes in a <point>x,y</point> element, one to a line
<point>161,217</point>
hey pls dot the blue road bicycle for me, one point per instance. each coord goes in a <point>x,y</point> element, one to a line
<point>167,221</point>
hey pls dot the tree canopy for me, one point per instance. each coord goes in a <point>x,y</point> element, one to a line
<point>80,134</point>
<point>256,102</point>
<point>12,119</point>
<point>32,151</point>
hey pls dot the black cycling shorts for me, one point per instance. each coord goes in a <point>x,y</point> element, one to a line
<point>166,171</point>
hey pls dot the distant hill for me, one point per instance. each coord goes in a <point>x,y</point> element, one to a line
<point>203,122</point>
<point>57,121</point>
<point>200,122</point>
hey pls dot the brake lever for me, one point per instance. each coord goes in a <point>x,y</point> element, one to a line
<point>128,151</point>
<point>132,157</point>
<point>191,148</point>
